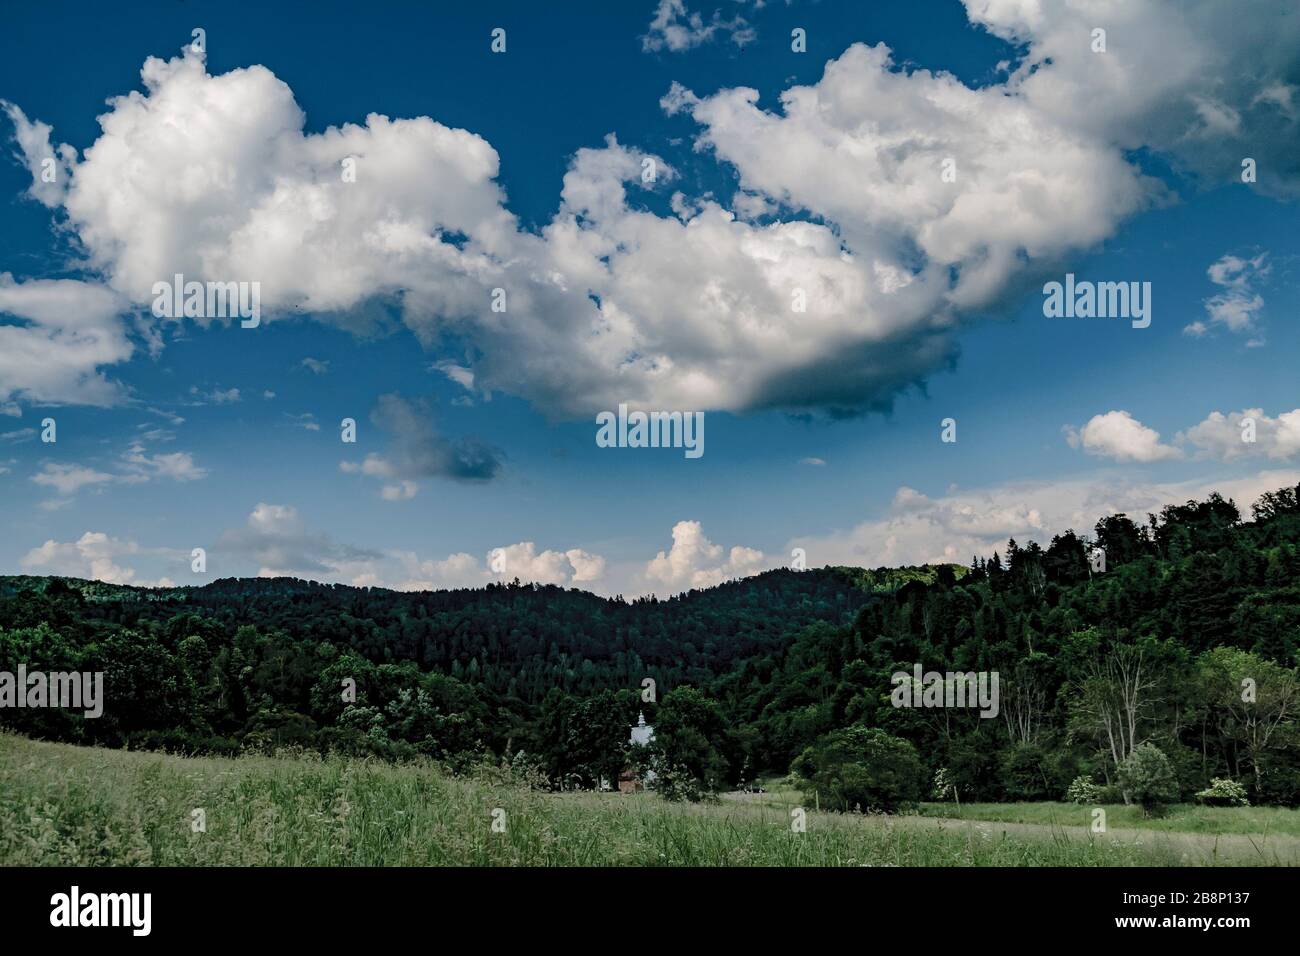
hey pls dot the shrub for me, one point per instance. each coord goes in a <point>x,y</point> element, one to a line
<point>1083,791</point>
<point>943,788</point>
<point>1148,778</point>
<point>1024,772</point>
<point>1223,792</point>
<point>861,768</point>
<point>675,782</point>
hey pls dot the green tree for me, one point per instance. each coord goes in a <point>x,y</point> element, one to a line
<point>1148,778</point>
<point>861,768</point>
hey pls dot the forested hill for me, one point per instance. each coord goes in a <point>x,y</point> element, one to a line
<point>1186,641</point>
<point>515,639</point>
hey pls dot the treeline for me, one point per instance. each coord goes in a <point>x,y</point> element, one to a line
<point>453,674</point>
<point>1172,668</point>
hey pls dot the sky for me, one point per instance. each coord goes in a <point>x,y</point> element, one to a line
<point>827,228</point>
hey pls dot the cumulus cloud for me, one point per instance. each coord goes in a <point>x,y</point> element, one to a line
<point>1248,433</point>
<point>918,529</point>
<point>94,556</point>
<point>277,540</point>
<point>525,562</point>
<point>1237,307</point>
<point>1194,81</point>
<point>694,561</point>
<point>1120,436</point>
<point>609,302</point>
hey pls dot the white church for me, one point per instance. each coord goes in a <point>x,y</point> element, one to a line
<point>629,781</point>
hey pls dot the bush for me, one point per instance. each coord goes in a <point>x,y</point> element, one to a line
<point>1083,791</point>
<point>944,788</point>
<point>675,782</point>
<point>1024,772</point>
<point>1223,792</point>
<point>1148,778</point>
<point>861,768</point>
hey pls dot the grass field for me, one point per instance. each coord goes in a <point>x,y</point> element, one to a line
<point>67,805</point>
<point>1180,818</point>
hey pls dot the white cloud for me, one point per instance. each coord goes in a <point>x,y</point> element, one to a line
<point>139,466</point>
<point>277,539</point>
<point>274,519</point>
<point>402,491</point>
<point>307,421</point>
<point>696,562</point>
<point>1192,79</point>
<point>523,561</point>
<point>94,556</point>
<point>1120,436</point>
<point>462,376</point>
<point>34,140</point>
<point>953,528</point>
<point>458,570</point>
<point>609,302</point>
<point>69,479</point>
<point>675,29</point>
<point>136,466</point>
<point>218,396</point>
<point>71,329</point>
<point>1224,436</point>
<point>374,465</point>
<point>1237,307</point>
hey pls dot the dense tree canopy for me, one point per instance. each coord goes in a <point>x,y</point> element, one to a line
<point>1186,642</point>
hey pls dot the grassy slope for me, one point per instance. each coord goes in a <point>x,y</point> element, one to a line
<point>61,804</point>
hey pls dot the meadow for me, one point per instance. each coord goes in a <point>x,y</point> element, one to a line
<point>67,805</point>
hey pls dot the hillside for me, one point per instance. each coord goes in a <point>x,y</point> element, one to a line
<point>747,676</point>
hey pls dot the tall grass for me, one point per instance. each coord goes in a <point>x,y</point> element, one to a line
<point>1179,818</point>
<point>67,805</point>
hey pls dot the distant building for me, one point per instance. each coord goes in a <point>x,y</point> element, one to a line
<point>642,733</point>
<point>629,781</point>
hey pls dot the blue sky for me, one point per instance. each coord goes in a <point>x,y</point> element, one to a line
<point>822,427</point>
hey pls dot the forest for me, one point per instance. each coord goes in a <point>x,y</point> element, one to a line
<point>1170,675</point>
